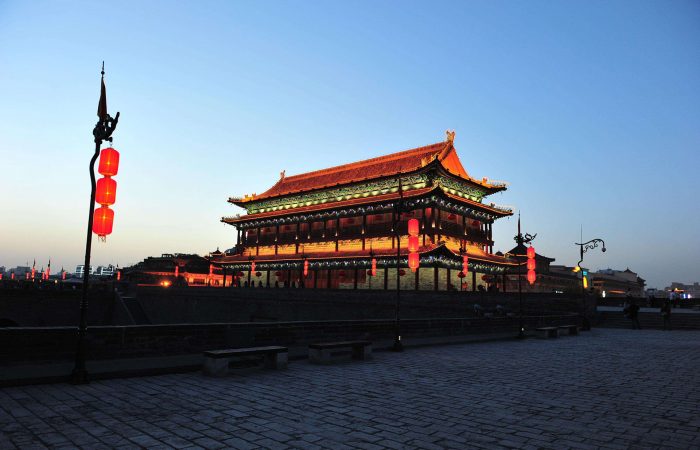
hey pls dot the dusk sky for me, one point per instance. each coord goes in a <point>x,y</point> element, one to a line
<point>590,110</point>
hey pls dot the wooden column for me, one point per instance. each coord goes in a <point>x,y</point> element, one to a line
<point>268,278</point>
<point>386,278</point>
<point>277,236</point>
<point>417,279</point>
<point>449,281</point>
<point>257,241</point>
<point>223,267</point>
<point>250,272</point>
<point>473,281</point>
<point>328,278</point>
<point>337,232</point>
<point>364,228</point>
<point>435,277</point>
<point>423,220</point>
<point>315,278</point>
<point>325,227</point>
<point>296,239</point>
<point>355,281</point>
<point>464,225</point>
<point>289,278</point>
<point>505,280</point>
<point>238,241</point>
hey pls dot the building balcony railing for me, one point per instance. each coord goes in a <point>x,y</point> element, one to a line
<point>287,238</point>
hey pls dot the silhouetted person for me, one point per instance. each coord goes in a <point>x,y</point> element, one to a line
<point>666,314</point>
<point>634,315</point>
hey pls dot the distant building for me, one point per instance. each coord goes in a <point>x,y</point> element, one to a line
<point>175,269</point>
<point>20,271</point>
<point>690,290</point>
<point>80,270</point>
<point>617,283</point>
<point>104,271</point>
<point>550,278</point>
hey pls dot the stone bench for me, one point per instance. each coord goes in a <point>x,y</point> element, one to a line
<point>218,362</point>
<point>571,330</point>
<point>547,332</point>
<point>328,352</point>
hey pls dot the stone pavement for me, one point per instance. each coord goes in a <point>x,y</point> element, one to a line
<point>604,389</point>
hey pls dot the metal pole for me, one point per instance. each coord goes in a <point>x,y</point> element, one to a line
<point>521,331</point>
<point>80,375</point>
<point>103,130</point>
<point>398,346</point>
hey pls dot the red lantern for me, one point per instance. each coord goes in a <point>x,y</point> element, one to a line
<point>109,162</point>
<point>306,267</point>
<point>402,272</point>
<point>465,264</point>
<point>531,276</point>
<point>277,274</point>
<point>211,269</point>
<point>177,271</point>
<point>341,274</point>
<point>374,267</point>
<point>26,275</point>
<point>369,273</point>
<point>451,217</point>
<point>413,227</point>
<point>252,266</point>
<point>0,276</point>
<point>413,244</point>
<point>257,274</point>
<point>413,260</point>
<point>106,193</point>
<point>12,276</point>
<point>102,221</point>
<point>119,275</point>
<point>461,275</point>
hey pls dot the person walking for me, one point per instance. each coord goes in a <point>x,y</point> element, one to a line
<point>666,314</point>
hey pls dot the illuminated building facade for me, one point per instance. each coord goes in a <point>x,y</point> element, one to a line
<point>325,229</point>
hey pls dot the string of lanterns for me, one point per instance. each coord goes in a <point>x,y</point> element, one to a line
<point>531,264</point>
<point>106,194</point>
<point>413,255</point>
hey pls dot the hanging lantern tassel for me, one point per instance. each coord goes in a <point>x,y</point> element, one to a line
<point>106,193</point>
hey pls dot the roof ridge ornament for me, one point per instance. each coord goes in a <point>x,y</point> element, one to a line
<point>450,136</point>
<point>282,175</point>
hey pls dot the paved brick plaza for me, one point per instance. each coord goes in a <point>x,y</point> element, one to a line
<point>607,389</point>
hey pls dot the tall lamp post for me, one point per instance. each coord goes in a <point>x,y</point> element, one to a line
<point>583,248</point>
<point>102,132</point>
<point>398,346</point>
<point>521,239</point>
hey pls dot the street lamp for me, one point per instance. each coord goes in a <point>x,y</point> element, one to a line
<point>521,239</point>
<point>102,132</point>
<point>583,248</point>
<point>398,346</point>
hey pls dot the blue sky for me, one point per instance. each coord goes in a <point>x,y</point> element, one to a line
<point>588,109</point>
